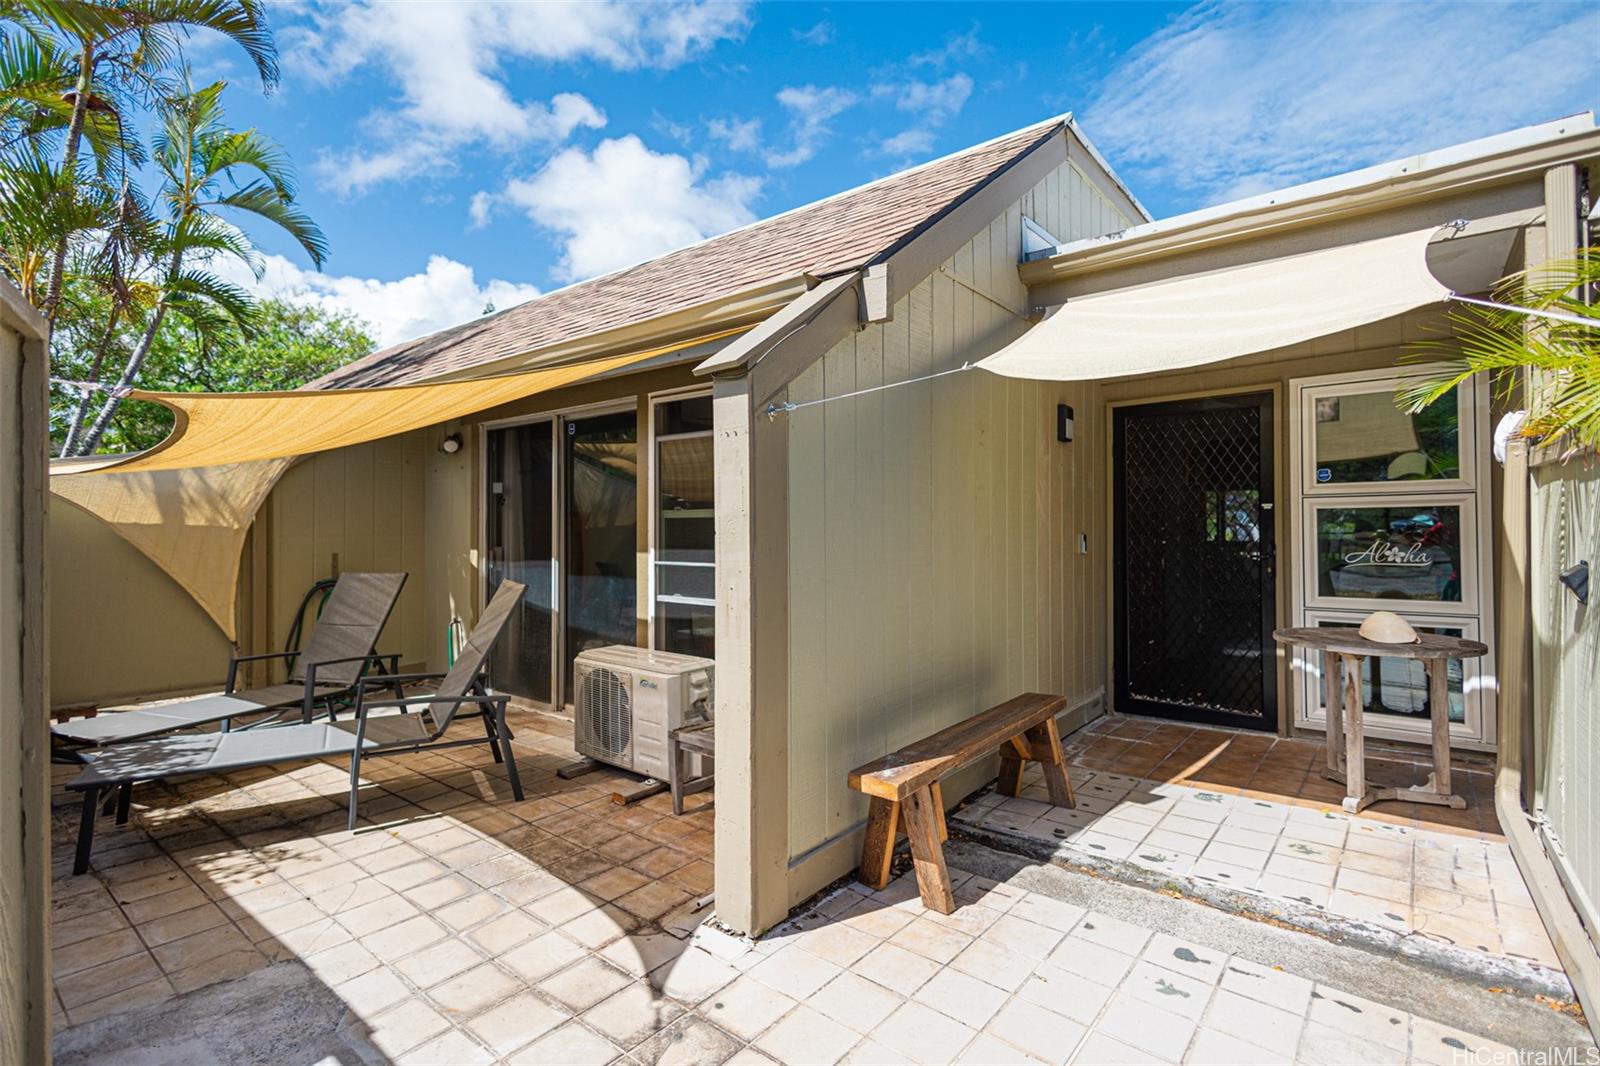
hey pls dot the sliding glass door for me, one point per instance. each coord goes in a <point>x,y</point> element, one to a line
<point>519,545</point>
<point>600,465</point>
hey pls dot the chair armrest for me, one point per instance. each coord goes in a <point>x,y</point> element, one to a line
<point>412,701</point>
<point>376,657</point>
<point>233,664</point>
<point>389,680</point>
<point>265,655</point>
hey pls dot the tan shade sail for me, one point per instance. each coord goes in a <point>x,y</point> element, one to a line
<point>190,523</point>
<point>188,503</point>
<point>1206,318</point>
<point>221,428</point>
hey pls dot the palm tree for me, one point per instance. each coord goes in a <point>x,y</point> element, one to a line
<point>120,47</point>
<point>206,168</point>
<point>1543,339</point>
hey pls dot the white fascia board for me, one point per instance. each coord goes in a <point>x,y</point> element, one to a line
<point>1380,174</point>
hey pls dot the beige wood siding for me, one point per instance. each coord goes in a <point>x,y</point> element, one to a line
<point>359,508</point>
<point>1566,664</point>
<point>933,564</point>
<point>1069,206</point>
<point>121,630</point>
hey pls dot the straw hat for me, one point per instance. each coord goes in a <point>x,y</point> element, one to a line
<point>1386,627</point>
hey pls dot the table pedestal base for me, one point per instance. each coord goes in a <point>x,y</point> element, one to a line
<point>1414,794</point>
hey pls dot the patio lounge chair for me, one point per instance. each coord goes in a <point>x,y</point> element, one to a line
<point>122,766</point>
<point>341,645</point>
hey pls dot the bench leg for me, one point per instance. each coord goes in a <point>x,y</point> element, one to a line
<point>938,809</point>
<point>877,848</point>
<point>1014,756</point>
<point>922,827</point>
<point>80,861</point>
<point>1045,740</point>
<point>124,800</point>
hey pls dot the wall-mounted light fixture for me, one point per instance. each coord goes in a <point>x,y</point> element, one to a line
<point>1063,423</point>
<point>1577,581</point>
<point>451,444</point>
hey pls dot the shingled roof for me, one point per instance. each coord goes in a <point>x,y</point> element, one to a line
<point>831,236</point>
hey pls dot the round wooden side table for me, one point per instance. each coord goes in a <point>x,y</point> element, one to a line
<point>1344,646</point>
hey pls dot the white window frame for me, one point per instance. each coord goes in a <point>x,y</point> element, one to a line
<point>1309,390</point>
<point>1467,565</point>
<point>1474,614</point>
<point>656,399</point>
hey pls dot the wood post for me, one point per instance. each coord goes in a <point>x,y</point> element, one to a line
<point>1355,740</point>
<point>1439,705</point>
<point>927,856</point>
<point>1333,700</point>
<point>752,617</point>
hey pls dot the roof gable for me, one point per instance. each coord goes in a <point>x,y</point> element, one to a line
<point>831,236</point>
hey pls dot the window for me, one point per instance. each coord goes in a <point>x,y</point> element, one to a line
<point>1363,437</point>
<point>685,549</point>
<point>1393,516</point>
<point>1406,551</point>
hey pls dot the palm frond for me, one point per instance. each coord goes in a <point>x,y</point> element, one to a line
<point>1554,366</point>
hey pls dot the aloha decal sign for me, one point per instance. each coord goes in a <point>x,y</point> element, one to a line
<point>1388,553</point>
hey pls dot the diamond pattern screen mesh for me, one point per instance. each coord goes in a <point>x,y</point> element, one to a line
<point>1195,577</point>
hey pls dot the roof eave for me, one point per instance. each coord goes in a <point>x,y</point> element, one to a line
<point>1491,161</point>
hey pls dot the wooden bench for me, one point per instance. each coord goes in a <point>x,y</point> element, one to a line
<point>904,786</point>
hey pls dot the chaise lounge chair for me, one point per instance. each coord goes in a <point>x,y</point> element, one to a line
<point>341,645</point>
<point>122,766</point>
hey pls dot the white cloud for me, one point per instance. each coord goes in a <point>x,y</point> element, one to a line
<point>908,143</point>
<point>938,101</point>
<point>740,135</point>
<point>444,294</point>
<point>811,108</point>
<point>956,47</point>
<point>1230,100</point>
<point>448,58</point>
<point>821,33</point>
<point>933,102</point>
<point>623,203</point>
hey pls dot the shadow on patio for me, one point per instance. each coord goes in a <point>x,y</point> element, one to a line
<point>454,924</point>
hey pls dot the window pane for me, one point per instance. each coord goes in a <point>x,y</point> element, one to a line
<point>685,527</point>
<point>602,536</point>
<point>1364,437</point>
<point>688,629</point>
<point>684,416</point>
<point>688,524</point>
<point>1406,552</point>
<point>1402,684</point>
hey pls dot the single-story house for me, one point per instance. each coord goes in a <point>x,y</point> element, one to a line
<point>775,448</point>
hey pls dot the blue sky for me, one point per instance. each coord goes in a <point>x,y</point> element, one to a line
<point>464,153</point>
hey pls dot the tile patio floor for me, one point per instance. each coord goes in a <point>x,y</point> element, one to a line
<point>1251,812</point>
<point>460,927</point>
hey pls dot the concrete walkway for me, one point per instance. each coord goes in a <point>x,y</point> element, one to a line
<point>1039,964</point>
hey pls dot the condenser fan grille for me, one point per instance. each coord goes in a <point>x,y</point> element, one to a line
<point>605,711</point>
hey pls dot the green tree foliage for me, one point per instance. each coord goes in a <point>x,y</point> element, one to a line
<point>124,278</point>
<point>1550,366</point>
<point>288,345</point>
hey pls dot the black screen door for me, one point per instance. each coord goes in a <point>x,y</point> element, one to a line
<point>1195,569</point>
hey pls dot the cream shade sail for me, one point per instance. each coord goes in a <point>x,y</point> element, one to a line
<point>191,523</point>
<point>1206,318</point>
